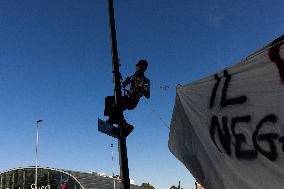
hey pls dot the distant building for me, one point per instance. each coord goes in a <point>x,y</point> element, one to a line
<point>132,181</point>
<point>50,178</point>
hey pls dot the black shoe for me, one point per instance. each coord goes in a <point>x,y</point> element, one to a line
<point>110,121</point>
<point>113,119</point>
<point>127,129</point>
<point>123,123</point>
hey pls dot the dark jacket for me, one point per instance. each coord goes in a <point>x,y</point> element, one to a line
<point>139,86</point>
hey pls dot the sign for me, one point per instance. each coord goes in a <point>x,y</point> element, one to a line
<point>33,187</point>
<point>113,131</point>
<point>228,128</point>
<point>108,129</point>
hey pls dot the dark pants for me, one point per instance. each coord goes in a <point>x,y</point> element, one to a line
<point>127,103</point>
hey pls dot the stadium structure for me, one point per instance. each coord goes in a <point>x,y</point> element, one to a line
<point>51,178</point>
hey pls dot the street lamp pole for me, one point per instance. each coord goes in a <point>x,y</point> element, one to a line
<point>123,129</point>
<point>37,124</point>
<point>123,161</point>
<point>112,165</point>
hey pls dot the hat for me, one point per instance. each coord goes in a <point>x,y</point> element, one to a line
<point>142,64</point>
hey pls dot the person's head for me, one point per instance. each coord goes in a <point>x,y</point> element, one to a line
<point>141,66</point>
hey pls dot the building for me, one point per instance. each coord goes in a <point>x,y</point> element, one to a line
<point>51,178</point>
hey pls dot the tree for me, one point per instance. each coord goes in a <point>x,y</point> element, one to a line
<point>147,186</point>
<point>174,187</point>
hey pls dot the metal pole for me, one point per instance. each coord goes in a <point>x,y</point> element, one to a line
<point>37,124</point>
<point>112,165</point>
<point>115,60</point>
<point>123,161</point>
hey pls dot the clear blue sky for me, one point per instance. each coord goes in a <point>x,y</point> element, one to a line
<point>55,65</point>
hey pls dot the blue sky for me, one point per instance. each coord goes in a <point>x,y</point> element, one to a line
<point>55,65</point>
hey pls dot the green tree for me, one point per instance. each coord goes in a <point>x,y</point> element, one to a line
<point>147,186</point>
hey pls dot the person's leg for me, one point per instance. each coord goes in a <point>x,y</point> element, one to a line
<point>129,103</point>
<point>109,103</point>
<point>114,114</point>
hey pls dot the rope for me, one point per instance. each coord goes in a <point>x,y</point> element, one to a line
<point>271,45</point>
<point>158,116</point>
<point>125,91</point>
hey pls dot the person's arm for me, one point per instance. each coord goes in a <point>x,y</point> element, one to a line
<point>126,82</point>
<point>147,89</point>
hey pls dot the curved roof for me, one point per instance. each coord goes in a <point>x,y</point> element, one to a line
<point>85,180</point>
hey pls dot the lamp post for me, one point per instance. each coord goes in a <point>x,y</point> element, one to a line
<point>112,166</point>
<point>122,130</point>
<point>37,124</point>
<point>123,160</point>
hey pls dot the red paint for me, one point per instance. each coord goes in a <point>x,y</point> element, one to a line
<point>64,185</point>
<point>274,55</point>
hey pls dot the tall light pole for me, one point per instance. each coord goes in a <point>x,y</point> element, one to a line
<point>122,130</point>
<point>112,165</point>
<point>37,124</point>
<point>123,160</point>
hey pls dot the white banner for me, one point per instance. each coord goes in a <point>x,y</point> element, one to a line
<point>228,129</point>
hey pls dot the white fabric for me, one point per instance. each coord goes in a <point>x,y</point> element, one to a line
<point>254,92</point>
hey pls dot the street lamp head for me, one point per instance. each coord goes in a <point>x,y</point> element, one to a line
<point>38,121</point>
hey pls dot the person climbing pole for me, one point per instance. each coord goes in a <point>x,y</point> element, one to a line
<point>139,85</point>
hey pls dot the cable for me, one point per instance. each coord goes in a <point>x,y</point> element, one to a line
<point>158,116</point>
<point>126,92</point>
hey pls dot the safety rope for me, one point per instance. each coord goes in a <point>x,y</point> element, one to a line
<point>157,115</point>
